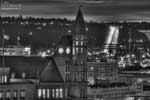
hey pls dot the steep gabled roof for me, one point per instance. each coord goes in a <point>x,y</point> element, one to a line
<point>51,73</point>
<point>79,23</point>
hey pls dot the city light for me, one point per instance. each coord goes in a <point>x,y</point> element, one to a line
<point>111,38</point>
<point>60,50</point>
<point>68,50</point>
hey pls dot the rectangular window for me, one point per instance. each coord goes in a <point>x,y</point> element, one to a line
<point>44,93</point>
<point>77,42</point>
<point>15,94</point>
<point>1,95</point>
<point>39,93</point>
<point>22,94</point>
<point>57,93</point>
<point>77,50</point>
<point>53,93</point>
<point>48,93</point>
<point>81,42</point>
<point>73,51</point>
<point>61,93</point>
<point>5,78</point>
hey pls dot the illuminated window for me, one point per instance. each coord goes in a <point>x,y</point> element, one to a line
<point>22,94</point>
<point>60,50</point>
<point>39,93</point>
<point>61,93</point>
<point>23,75</point>
<point>81,42</point>
<point>68,50</point>
<point>53,93</point>
<point>48,93</point>
<point>15,94</point>
<point>77,42</point>
<point>57,93</point>
<point>73,51</point>
<point>5,78</point>
<point>77,50</point>
<point>44,93</point>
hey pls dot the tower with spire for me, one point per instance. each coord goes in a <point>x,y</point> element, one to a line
<point>78,72</point>
<point>71,59</point>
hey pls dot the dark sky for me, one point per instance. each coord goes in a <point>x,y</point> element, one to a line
<point>96,10</point>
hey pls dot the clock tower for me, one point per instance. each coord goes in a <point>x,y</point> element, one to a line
<point>78,71</point>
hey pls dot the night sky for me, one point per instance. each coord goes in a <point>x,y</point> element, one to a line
<point>93,10</point>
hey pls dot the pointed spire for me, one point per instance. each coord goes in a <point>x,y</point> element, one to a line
<point>79,23</point>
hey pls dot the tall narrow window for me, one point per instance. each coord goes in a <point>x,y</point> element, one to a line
<point>77,50</point>
<point>57,93</point>
<point>61,93</point>
<point>44,93</point>
<point>81,42</point>
<point>81,50</point>
<point>2,79</point>
<point>22,94</point>
<point>77,42</point>
<point>5,78</point>
<point>1,95</point>
<point>73,52</point>
<point>53,93</point>
<point>39,93</point>
<point>48,93</point>
<point>15,95</point>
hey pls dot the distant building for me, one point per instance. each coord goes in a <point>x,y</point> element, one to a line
<point>112,92</point>
<point>15,51</point>
<point>98,71</point>
<point>30,78</point>
<point>64,76</point>
<point>111,40</point>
